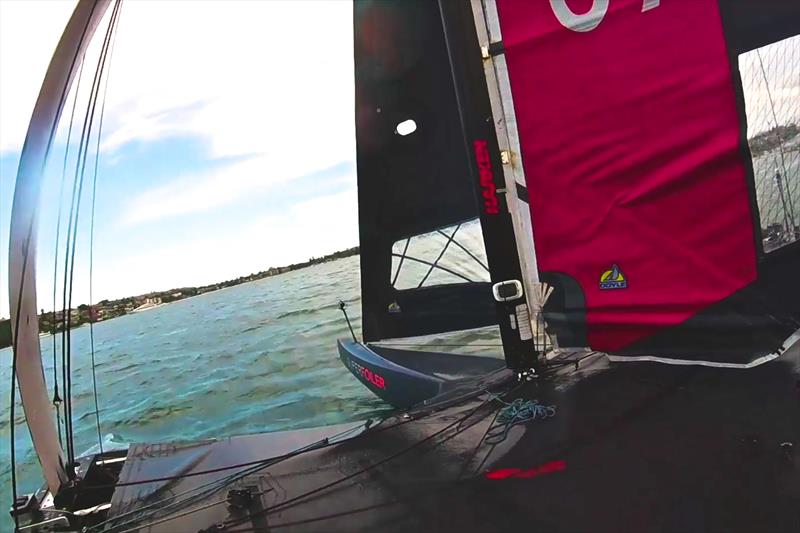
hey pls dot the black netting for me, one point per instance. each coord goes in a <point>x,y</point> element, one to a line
<point>771,84</point>
<point>454,254</point>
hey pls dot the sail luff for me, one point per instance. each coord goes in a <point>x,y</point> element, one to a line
<point>22,242</point>
<point>488,30</point>
<point>485,169</point>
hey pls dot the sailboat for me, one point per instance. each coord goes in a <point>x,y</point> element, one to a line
<point>650,377</point>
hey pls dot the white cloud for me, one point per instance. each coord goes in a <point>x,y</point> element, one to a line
<point>771,84</point>
<point>266,77</point>
<point>29,32</point>
<point>274,74</point>
<point>270,80</point>
<point>316,227</point>
<point>209,189</point>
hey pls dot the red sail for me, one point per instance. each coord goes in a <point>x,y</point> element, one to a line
<point>630,143</point>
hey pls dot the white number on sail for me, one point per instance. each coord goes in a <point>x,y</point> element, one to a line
<point>592,18</point>
<point>583,22</point>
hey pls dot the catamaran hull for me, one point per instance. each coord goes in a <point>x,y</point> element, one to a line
<point>405,378</point>
<point>632,447</point>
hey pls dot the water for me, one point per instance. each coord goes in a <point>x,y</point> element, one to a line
<point>771,207</point>
<point>253,358</point>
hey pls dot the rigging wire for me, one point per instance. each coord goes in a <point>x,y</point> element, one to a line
<point>256,462</point>
<point>12,406</point>
<point>435,265</point>
<point>223,482</point>
<point>26,248</point>
<point>227,481</point>
<point>296,499</point>
<point>477,446</point>
<point>56,399</point>
<point>473,256</point>
<point>444,485</point>
<point>447,485</point>
<point>260,465</point>
<point>91,235</point>
<point>780,145</point>
<point>444,249</point>
<point>327,442</point>
<point>450,239</point>
<point>175,517</point>
<point>400,264</point>
<point>77,193</point>
<point>434,344</point>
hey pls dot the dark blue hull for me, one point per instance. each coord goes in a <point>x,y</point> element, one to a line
<point>404,378</point>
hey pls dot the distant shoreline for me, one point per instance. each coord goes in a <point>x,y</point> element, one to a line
<point>109,309</point>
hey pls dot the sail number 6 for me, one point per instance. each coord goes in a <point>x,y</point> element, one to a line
<point>592,18</point>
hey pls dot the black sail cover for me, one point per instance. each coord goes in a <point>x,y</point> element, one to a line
<point>409,185</point>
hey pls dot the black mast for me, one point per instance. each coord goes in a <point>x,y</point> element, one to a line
<point>486,173</point>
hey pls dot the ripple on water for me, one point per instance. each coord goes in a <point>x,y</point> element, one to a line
<point>253,358</point>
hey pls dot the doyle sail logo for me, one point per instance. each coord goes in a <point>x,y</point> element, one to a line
<point>613,279</point>
<point>490,204</point>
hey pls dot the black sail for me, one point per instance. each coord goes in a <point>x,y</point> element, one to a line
<point>414,184</point>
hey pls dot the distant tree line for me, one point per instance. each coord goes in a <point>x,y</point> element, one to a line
<point>55,321</point>
<point>772,138</point>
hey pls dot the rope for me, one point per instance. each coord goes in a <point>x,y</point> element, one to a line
<point>75,208</point>
<point>56,399</point>
<point>517,412</point>
<point>26,252</point>
<point>215,485</point>
<point>296,499</point>
<point>114,22</point>
<point>434,345</point>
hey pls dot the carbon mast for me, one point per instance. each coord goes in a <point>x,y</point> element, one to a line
<point>496,191</point>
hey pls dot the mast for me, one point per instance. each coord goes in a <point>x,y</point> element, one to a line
<point>22,242</point>
<point>497,203</point>
<point>517,196</point>
<point>414,187</point>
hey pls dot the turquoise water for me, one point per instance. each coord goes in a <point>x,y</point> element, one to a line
<point>253,358</point>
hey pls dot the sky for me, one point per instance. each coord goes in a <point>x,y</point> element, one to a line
<point>228,142</point>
